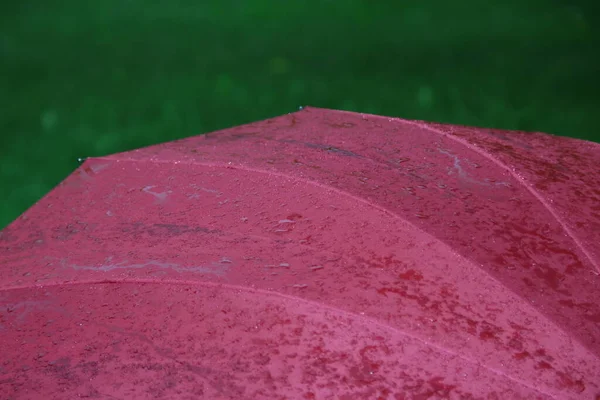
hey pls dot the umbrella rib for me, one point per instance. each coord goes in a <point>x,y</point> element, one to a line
<point>523,182</point>
<point>369,321</point>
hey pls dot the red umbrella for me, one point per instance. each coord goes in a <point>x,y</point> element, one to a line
<point>318,255</point>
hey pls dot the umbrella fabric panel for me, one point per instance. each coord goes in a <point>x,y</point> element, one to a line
<point>420,245</point>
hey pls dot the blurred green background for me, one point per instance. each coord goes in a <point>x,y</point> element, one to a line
<point>85,78</point>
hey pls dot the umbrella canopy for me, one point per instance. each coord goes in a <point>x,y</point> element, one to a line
<point>318,255</point>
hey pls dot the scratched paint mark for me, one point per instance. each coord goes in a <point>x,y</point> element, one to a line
<point>207,190</point>
<point>219,268</point>
<point>97,167</point>
<point>457,165</point>
<point>198,188</point>
<point>325,147</point>
<point>160,196</point>
<point>342,125</point>
<point>88,170</point>
<point>21,309</point>
<point>332,149</point>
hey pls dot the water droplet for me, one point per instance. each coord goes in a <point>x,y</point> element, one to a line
<point>300,286</point>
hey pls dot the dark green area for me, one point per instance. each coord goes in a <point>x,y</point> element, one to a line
<point>89,78</point>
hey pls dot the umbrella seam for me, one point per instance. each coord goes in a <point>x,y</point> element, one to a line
<point>529,188</point>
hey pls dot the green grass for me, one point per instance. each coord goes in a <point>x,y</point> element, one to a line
<point>90,78</point>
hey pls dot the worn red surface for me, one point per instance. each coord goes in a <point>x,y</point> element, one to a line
<point>317,255</point>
